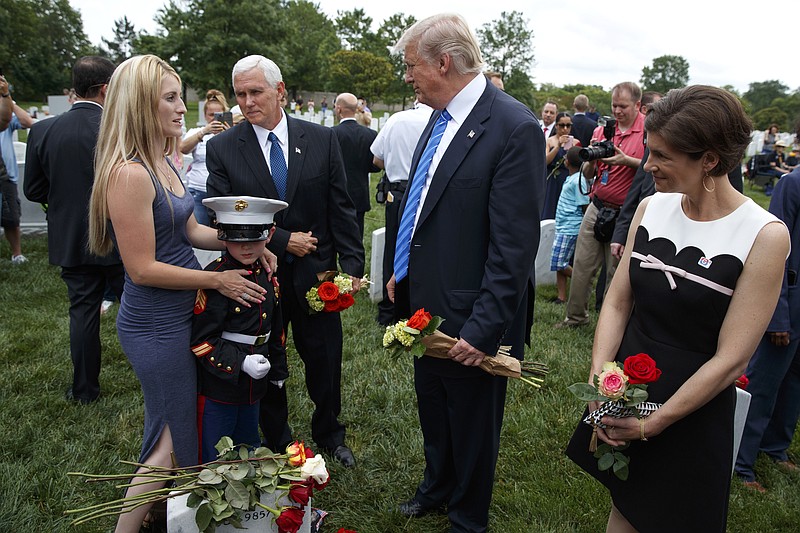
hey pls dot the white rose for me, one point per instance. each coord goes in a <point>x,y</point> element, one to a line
<point>314,467</point>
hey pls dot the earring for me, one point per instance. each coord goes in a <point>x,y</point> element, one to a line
<point>713,183</point>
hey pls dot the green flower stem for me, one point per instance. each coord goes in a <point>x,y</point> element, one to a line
<point>127,499</point>
<point>154,480</point>
<point>275,512</point>
<point>531,383</point>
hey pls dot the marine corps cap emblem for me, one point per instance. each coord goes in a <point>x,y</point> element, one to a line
<point>240,205</point>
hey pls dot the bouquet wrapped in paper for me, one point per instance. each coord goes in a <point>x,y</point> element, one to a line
<point>420,336</point>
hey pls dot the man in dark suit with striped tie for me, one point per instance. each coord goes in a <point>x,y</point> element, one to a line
<point>275,156</point>
<point>466,242</point>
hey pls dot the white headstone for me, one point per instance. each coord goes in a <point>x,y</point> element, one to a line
<point>204,257</point>
<point>57,104</point>
<point>376,265</point>
<point>739,418</point>
<point>547,232</point>
<point>181,519</point>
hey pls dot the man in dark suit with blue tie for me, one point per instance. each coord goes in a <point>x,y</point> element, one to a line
<point>466,242</point>
<point>275,156</point>
<point>59,172</point>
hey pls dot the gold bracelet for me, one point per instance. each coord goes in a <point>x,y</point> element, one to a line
<point>641,430</point>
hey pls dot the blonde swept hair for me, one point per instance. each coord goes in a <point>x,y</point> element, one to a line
<point>213,95</point>
<point>445,33</point>
<point>130,128</point>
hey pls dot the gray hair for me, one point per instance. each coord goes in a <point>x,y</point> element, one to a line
<point>446,33</point>
<point>581,103</point>
<point>267,67</point>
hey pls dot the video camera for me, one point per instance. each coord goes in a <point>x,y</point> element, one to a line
<point>601,149</point>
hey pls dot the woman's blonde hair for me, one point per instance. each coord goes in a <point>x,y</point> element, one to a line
<point>130,128</point>
<point>214,95</point>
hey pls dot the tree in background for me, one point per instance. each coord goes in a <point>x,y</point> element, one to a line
<point>203,39</point>
<point>360,73</point>
<point>390,32</point>
<point>763,118</point>
<point>40,40</point>
<point>507,47</point>
<point>354,28</point>
<point>308,66</point>
<point>667,72</point>
<point>761,94</point>
<point>121,47</point>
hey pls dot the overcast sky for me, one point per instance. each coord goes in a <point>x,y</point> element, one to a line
<point>598,43</point>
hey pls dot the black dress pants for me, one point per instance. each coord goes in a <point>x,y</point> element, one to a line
<point>318,340</point>
<point>85,287</point>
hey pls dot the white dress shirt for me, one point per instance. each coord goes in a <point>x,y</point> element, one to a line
<point>281,131</point>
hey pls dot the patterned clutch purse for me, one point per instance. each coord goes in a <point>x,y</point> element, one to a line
<point>617,409</point>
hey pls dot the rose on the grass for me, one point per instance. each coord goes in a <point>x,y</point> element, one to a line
<point>328,291</point>
<point>314,468</point>
<point>641,368</point>
<point>297,453</point>
<point>612,381</point>
<point>290,519</point>
<point>301,493</point>
<point>419,320</point>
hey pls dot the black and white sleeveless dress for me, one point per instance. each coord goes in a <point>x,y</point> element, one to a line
<point>683,274</point>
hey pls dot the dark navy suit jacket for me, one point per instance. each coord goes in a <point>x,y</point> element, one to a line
<point>785,205</point>
<point>478,230</point>
<point>355,141</point>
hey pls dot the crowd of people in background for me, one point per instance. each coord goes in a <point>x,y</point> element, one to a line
<point>469,175</point>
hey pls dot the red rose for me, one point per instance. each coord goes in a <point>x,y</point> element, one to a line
<point>641,368</point>
<point>290,520</point>
<point>332,306</point>
<point>419,320</point>
<point>345,301</point>
<point>742,382</point>
<point>327,291</point>
<point>343,530</point>
<point>301,493</point>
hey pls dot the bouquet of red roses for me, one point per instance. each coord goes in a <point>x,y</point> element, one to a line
<point>331,294</point>
<point>622,387</point>
<point>420,335</point>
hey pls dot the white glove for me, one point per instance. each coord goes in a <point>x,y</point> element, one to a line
<point>256,366</point>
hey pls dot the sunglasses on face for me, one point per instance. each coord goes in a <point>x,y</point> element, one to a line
<point>564,125</point>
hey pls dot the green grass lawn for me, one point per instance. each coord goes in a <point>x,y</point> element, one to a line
<point>42,436</point>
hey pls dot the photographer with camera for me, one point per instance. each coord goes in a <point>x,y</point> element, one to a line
<point>612,159</point>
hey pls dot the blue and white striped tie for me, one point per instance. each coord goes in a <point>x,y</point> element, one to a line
<point>403,245</point>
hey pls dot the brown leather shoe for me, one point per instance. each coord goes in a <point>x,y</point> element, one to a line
<point>754,485</point>
<point>788,465</point>
<point>565,324</point>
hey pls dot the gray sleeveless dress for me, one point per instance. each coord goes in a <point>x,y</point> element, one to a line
<point>154,327</point>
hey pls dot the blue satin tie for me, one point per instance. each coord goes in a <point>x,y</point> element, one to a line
<point>277,163</point>
<point>404,231</point>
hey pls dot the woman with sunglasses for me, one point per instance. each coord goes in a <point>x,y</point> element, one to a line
<point>556,149</point>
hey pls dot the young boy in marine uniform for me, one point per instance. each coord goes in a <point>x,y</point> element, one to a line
<point>237,346</point>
